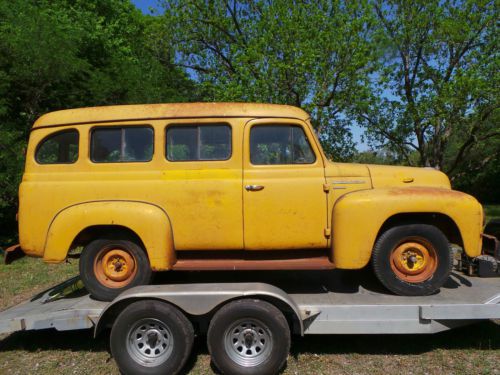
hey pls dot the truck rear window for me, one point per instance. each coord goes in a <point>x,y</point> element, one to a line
<point>58,148</point>
<point>198,142</point>
<point>122,144</point>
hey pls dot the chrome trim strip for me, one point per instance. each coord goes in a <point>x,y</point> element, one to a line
<point>346,182</point>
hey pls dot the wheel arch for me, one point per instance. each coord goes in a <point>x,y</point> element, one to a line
<point>439,220</point>
<point>114,231</point>
<point>143,221</point>
<point>201,302</point>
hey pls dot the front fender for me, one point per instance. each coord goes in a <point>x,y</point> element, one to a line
<point>150,222</point>
<point>358,216</point>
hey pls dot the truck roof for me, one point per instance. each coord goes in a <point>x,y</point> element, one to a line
<point>164,111</point>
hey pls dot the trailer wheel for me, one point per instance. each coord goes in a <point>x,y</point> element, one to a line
<point>412,260</point>
<point>249,337</point>
<point>108,267</point>
<point>151,337</point>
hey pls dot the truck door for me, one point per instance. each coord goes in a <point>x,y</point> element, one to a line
<point>202,180</point>
<point>284,204</point>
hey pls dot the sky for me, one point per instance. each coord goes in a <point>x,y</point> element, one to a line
<point>146,5</point>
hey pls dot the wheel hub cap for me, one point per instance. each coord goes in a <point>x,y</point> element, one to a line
<point>150,342</point>
<point>414,261</point>
<point>248,342</point>
<point>118,265</point>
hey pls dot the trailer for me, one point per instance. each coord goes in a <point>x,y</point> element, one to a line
<point>249,325</point>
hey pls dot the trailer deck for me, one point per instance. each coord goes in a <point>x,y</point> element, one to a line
<point>348,309</point>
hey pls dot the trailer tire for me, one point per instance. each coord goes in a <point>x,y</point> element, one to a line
<point>151,337</point>
<point>249,336</point>
<point>412,260</point>
<point>105,283</point>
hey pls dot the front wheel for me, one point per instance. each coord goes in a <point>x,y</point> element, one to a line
<point>108,267</point>
<point>412,260</point>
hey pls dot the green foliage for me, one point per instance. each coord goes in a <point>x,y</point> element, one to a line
<point>316,55</point>
<point>65,54</point>
<point>436,90</point>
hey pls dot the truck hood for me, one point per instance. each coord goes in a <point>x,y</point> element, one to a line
<point>391,176</point>
<point>385,176</point>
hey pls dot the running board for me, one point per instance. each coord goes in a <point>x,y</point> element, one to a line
<point>250,263</point>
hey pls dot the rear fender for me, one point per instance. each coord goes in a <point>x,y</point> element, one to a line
<point>150,222</point>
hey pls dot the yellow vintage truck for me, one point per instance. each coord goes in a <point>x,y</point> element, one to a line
<point>229,186</point>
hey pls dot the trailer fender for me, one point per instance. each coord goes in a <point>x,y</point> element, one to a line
<point>148,221</point>
<point>202,299</point>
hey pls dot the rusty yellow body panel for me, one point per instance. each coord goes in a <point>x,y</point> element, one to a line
<point>384,176</point>
<point>148,221</point>
<point>358,217</point>
<point>149,112</point>
<point>202,199</point>
<point>200,205</point>
<point>292,204</point>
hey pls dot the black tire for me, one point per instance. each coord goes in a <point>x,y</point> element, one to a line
<point>432,240</point>
<point>264,322</point>
<point>165,321</point>
<point>95,284</point>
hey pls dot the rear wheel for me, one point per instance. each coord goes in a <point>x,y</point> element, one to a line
<point>412,260</point>
<point>108,267</point>
<point>151,337</point>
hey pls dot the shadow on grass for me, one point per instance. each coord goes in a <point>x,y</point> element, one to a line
<point>299,282</point>
<point>480,336</point>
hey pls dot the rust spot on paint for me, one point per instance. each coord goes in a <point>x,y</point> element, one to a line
<point>258,260</point>
<point>423,190</point>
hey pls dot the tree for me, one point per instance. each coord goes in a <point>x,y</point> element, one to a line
<point>436,92</point>
<point>311,54</point>
<point>64,54</point>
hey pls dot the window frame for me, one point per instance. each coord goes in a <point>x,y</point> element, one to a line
<point>44,139</point>
<point>290,125</point>
<point>198,126</point>
<point>121,127</point>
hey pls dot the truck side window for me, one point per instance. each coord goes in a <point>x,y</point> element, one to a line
<point>280,144</point>
<point>58,148</point>
<point>198,142</point>
<point>122,144</point>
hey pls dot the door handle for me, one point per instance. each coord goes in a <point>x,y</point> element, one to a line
<point>254,187</point>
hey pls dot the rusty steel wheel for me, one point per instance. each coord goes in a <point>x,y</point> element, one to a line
<point>412,260</point>
<point>108,267</point>
<point>114,267</point>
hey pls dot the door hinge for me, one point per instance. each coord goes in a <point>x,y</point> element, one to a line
<point>327,232</point>
<point>326,188</point>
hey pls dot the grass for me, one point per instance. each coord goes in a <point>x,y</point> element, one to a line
<point>469,350</point>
